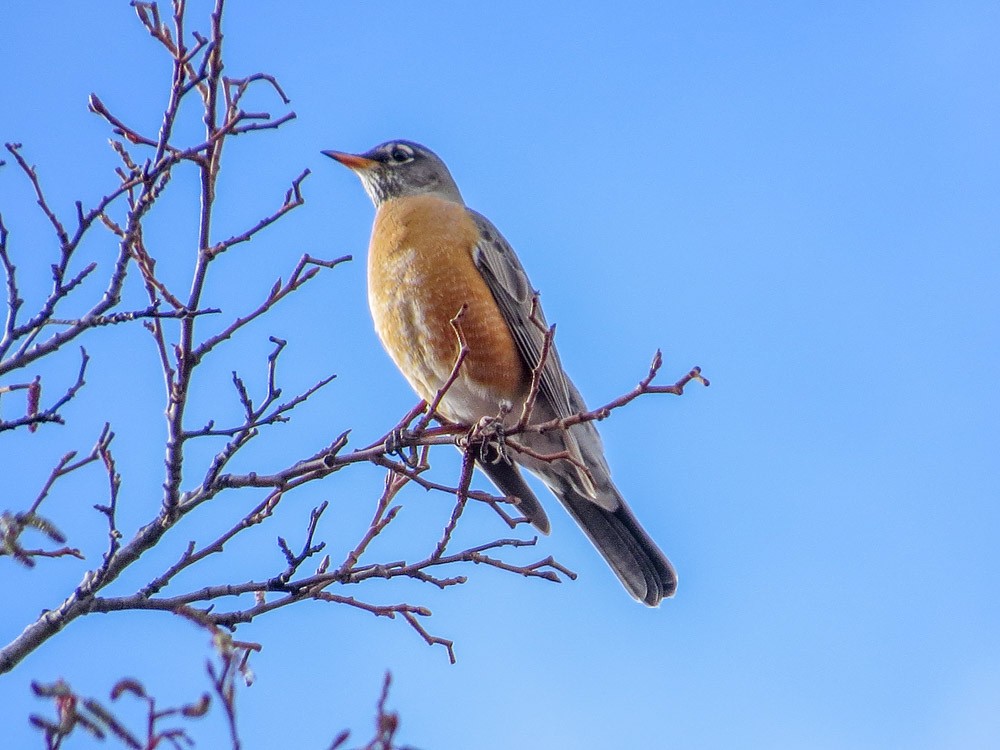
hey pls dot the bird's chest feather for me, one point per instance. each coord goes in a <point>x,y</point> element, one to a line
<point>420,275</point>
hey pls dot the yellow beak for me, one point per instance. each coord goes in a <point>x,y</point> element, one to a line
<point>351,161</point>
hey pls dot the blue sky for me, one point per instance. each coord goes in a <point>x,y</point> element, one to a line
<point>801,199</point>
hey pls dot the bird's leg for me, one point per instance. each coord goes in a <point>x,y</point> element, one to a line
<point>490,434</point>
<point>399,443</point>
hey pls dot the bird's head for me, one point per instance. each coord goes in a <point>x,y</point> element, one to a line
<point>397,169</point>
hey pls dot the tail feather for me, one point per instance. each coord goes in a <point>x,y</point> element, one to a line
<point>634,557</point>
<point>509,480</point>
<point>639,564</point>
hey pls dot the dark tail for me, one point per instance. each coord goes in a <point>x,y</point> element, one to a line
<point>639,564</point>
<point>509,480</point>
<point>634,557</point>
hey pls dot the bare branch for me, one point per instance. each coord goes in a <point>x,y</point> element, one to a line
<point>461,498</point>
<point>463,352</point>
<point>300,275</point>
<point>293,199</point>
<point>35,416</point>
<point>645,386</point>
<point>536,371</point>
<point>302,569</point>
<point>74,711</point>
<point>15,150</point>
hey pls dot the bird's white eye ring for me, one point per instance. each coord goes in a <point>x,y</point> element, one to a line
<point>400,154</point>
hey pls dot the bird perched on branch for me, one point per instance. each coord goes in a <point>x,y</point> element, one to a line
<point>431,257</point>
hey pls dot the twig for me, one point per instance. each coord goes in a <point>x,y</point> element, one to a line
<point>278,292</point>
<point>645,386</point>
<point>293,199</point>
<point>539,368</point>
<point>463,352</point>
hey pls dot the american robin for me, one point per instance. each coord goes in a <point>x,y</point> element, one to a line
<point>431,256</point>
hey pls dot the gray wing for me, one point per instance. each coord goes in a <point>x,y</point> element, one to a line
<point>600,510</point>
<point>559,398</point>
<point>516,298</point>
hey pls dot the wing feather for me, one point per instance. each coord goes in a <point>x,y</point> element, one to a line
<point>518,303</point>
<point>517,299</point>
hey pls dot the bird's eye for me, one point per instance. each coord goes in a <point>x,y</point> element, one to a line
<point>400,154</point>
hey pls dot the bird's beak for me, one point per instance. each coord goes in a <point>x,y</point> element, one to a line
<point>351,161</point>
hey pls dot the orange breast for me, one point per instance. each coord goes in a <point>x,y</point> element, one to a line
<point>420,274</point>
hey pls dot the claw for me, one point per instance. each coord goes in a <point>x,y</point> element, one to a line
<point>396,445</point>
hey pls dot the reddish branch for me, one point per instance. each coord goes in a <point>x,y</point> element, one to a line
<point>460,357</point>
<point>196,69</point>
<point>302,570</point>
<point>93,717</point>
<point>386,724</point>
<point>538,369</point>
<point>13,525</point>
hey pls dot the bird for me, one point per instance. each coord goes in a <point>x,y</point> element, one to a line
<point>431,256</point>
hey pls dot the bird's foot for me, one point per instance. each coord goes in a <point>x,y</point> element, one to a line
<point>488,436</point>
<point>398,443</point>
